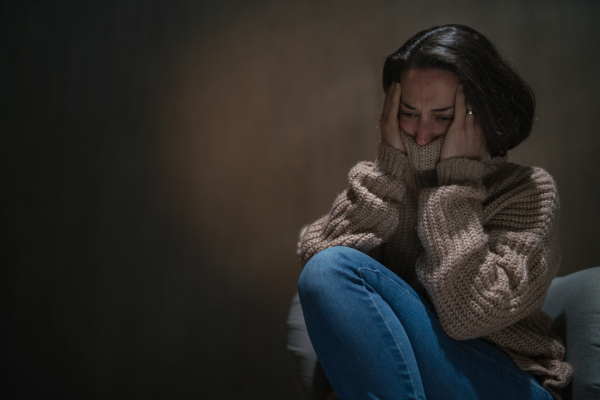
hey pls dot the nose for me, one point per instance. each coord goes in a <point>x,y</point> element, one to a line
<point>425,133</point>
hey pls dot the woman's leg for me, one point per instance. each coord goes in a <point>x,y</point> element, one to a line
<point>377,339</point>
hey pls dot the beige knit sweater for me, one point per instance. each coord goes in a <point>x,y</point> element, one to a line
<point>478,237</point>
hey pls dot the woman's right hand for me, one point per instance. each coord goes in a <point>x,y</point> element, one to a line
<point>389,122</point>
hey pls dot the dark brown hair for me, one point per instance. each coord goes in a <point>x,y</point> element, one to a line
<point>503,102</point>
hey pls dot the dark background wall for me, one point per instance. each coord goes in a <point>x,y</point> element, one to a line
<point>159,157</point>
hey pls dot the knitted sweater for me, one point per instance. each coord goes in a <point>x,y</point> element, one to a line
<point>479,238</point>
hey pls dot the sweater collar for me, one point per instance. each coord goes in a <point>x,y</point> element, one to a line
<point>425,158</point>
<point>422,158</point>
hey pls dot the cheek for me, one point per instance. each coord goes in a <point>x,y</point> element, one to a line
<point>410,127</point>
<point>441,130</point>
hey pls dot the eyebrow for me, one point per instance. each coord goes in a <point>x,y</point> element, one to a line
<point>434,109</point>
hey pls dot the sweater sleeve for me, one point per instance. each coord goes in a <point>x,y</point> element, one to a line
<point>365,214</point>
<point>486,271</point>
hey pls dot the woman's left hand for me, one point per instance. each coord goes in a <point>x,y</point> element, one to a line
<point>464,137</point>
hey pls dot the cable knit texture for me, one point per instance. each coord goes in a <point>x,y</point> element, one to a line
<point>479,238</point>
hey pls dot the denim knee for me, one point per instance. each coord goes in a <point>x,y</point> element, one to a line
<point>324,270</point>
<point>317,271</point>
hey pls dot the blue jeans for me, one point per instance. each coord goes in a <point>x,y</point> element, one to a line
<point>376,338</point>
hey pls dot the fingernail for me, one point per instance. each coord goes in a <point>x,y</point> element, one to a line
<point>397,85</point>
<point>460,87</point>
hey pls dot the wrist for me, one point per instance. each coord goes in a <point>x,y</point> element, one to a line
<point>395,142</point>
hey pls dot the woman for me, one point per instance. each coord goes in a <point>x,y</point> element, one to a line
<point>426,279</point>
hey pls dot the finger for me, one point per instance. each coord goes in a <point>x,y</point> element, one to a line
<point>483,150</point>
<point>460,109</point>
<point>483,147</point>
<point>470,121</point>
<point>475,134</point>
<point>388,95</point>
<point>468,106</point>
<point>472,127</point>
<point>394,107</point>
<point>390,113</point>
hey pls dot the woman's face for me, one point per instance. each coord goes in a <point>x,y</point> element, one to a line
<point>427,103</point>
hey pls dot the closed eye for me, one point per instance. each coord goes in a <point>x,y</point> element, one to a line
<point>446,118</point>
<point>408,114</point>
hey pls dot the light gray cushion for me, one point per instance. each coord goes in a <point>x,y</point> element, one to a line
<point>309,377</point>
<point>573,302</point>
